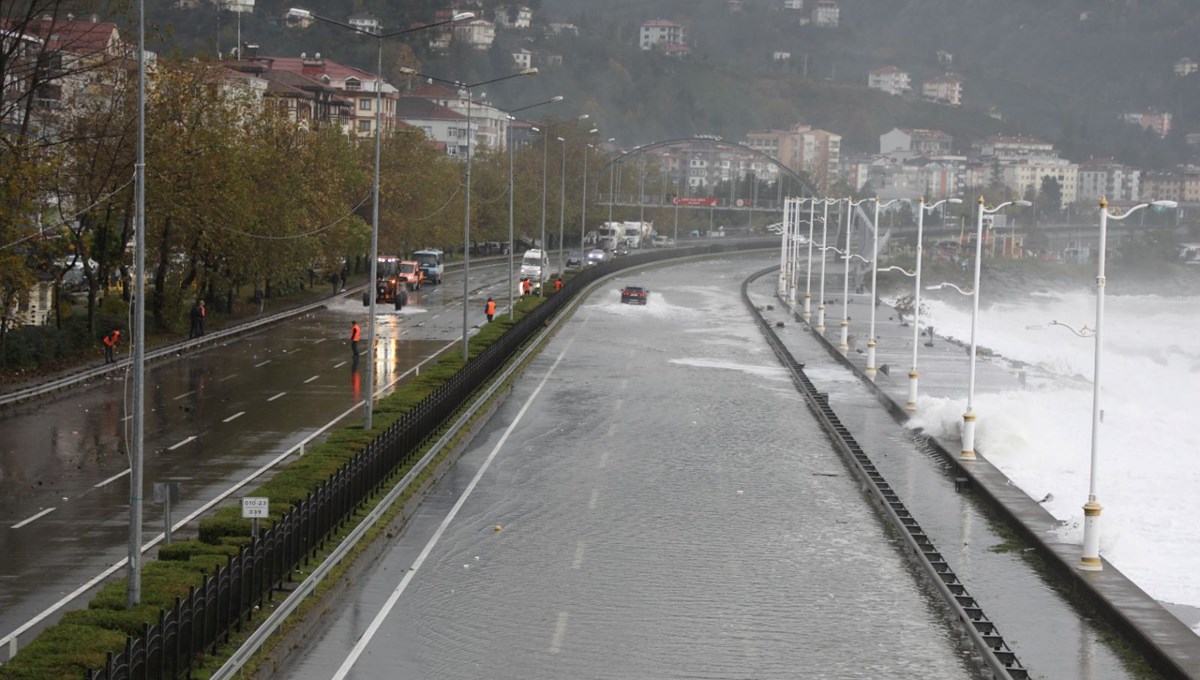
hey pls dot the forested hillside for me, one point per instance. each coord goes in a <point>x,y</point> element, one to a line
<point>1059,69</point>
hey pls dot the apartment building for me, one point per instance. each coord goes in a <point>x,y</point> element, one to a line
<point>889,79</point>
<point>1106,178</point>
<point>803,149</point>
<point>1023,175</point>
<point>660,33</point>
<point>915,140</point>
<point>945,89</point>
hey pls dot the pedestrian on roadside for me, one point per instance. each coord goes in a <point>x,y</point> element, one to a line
<point>558,284</point>
<point>490,309</point>
<point>203,316</point>
<point>355,334</point>
<point>345,274</point>
<point>110,345</point>
<point>526,287</point>
<point>195,319</point>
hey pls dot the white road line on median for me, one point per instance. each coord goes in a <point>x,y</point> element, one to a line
<point>372,629</point>
<point>185,441</point>
<point>277,396</point>
<point>311,379</point>
<point>234,417</point>
<point>595,497</point>
<point>112,479</point>
<point>262,363</point>
<point>318,341</point>
<point>185,394</point>
<point>228,377</point>
<point>578,561</point>
<point>23,522</point>
<point>560,631</point>
<point>340,364</point>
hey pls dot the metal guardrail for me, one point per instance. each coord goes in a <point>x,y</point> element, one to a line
<point>982,632</point>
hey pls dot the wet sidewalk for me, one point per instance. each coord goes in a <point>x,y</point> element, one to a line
<point>1171,645</point>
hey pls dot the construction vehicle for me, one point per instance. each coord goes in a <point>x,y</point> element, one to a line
<point>411,275</point>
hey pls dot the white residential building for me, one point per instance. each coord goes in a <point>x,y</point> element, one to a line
<point>1108,179</point>
<point>365,22</point>
<point>523,58</point>
<point>478,33</point>
<point>660,32</point>
<point>560,27</point>
<point>1012,148</point>
<point>1027,173</point>
<point>945,89</point>
<point>797,5</point>
<point>1186,67</point>
<point>488,123</point>
<point>916,141</point>
<point>826,13</point>
<point>514,17</point>
<point>890,80</point>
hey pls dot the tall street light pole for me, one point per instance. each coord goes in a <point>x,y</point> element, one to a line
<point>562,198</point>
<point>808,273</point>
<point>511,280</point>
<point>133,585</point>
<point>1090,560</point>
<point>913,375</point>
<point>467,211</point>
<point>582,204</point>
<point>844,343</point>
<point>824,248</point>
<point>968,435</point>
<point>368,403</point>
<point>874,272</point>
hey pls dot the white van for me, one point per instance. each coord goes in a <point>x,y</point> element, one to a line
<point>535,265</point>
<point>430,261</point>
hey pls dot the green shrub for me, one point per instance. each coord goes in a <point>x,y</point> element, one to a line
<point>65,650</point>
<point>185,550</point>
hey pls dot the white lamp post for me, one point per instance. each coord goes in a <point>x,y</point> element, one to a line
<point>1090,560</point>
<point>368,404</point>
<point>913,375</point>
<point>562,197</point>
<point>874,271</point>
<point>968,433</point>
<point>844,343</point>
<point>784,248</point>
<point>511,278</point>
<point>824,243</point>
<point>582,203</point>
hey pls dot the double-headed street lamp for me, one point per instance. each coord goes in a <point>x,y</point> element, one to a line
<point>844,343</point>
<point>582,205</point>
<point>912,373</point>
<point>1090,560</point>
<point>808,274</point>
<point>968,434</point>
<point>511,281</point>
<point>467,212</point>
<point>379,37</point>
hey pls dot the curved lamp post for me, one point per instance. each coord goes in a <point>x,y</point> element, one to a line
<point>511,278</point>
<point>913,375</point>
<point>874,271</point>
<point>582,203</point>
<point>467,211</point>
<point>1090,560</point>
<point>968,433</point>
<point>844,343</point>
<point>380,37</point>
<point>824,245</point>
<point>808,274</point>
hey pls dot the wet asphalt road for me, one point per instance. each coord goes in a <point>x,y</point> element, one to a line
<point>213,416</point>
<point>668,507</point>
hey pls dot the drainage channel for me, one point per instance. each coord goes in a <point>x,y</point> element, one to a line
<point>979,628</point>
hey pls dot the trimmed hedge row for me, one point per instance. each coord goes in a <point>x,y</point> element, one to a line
<point>83,638</point>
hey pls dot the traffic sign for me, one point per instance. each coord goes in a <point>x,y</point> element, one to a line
<point>256,507</point>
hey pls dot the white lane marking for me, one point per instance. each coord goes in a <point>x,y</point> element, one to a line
<point>612,429</point>
<point>23,522</point>
<point>318,341</point>
<point>604,459</point>
<point>277,396</point>
<point>112,479</point>
<point>595,497</point>
<point>184,395</point>
<point>617,406</point>
<point>234,417</point>
<point>311,379</point>
<point>560,631</point>
<point>228,377</point>
<point>185,441</point>
<point>339,364</point>
<point>624,384</point>
<point>578,561</point>
<point>262,363</point>
<point>372,629</point>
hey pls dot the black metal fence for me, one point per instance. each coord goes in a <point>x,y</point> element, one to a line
<point>227,598</point>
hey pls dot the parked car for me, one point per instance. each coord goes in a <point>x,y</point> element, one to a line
<point>634,295</point>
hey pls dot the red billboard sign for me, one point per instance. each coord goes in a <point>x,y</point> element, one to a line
<point>701,202</point>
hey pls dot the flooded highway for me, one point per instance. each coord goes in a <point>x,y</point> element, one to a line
<point>214,416</point>
<point>653,499</point>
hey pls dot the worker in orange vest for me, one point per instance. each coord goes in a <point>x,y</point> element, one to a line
<point>490,309</point>
<point>526,287</point>
<point>558,284</point>
<point>110,345</point>
<point>355,334</point>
